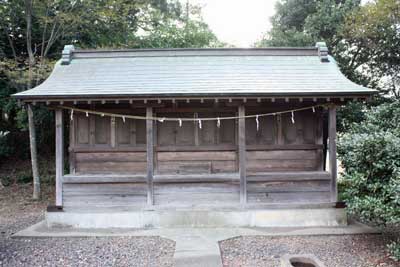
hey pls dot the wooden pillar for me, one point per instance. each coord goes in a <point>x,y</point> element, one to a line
<point>150,155</point>
<point>71,147</point>
<point>33,147</point>
<point>59,156</point>
<point>242,154</point>
<point>113,136</point>
<point>332,152</point>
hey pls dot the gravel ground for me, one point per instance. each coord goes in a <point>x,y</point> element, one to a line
<point>17,211</point>
<point>333,251</point>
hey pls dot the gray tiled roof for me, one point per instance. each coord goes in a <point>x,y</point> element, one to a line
<point>194,72</point>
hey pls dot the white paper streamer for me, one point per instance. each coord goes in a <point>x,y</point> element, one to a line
<point>161,120</point>
<point>180,123</point>
<point>313,109</point>
<point>199,123</point>
<point>72,114</point>
<point>258,123</point>
<point>123,119</point>
<point>87,114</point>
<point>218,122</point>
<point>292,117</point>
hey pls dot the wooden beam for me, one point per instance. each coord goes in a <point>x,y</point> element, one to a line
<point>332,152</point>
<point>59,156</point>
<point>150,155</point>
<point>71,151</point>
<point>242,154</point>
<point>113,136</point>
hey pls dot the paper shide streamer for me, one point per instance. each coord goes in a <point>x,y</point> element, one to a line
<point>257,123</point>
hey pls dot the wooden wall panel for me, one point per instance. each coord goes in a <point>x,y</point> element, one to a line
<point>196,162</point>
<point>185,134</point>
<point>290,192</point>
<point>289,129</point>
<point>82,130</point>
<point>281,160</point>
<point>267,131</point>
<point>124,132</point>
<point>102,130</point>
<point>227,131</point>
<point>104,195</point>
<point>140,132</point>
<point>110,162</point>
<point>196,193</point>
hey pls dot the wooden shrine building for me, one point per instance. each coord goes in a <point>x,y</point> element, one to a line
<point>205,128</point>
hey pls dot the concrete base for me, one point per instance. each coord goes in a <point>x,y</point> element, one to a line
<point>316,217</point>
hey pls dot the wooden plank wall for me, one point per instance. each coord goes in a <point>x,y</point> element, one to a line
<point>306,190</point>
<point>110,162</point>
<point>101,145</point>
<point>183,194</point>
<point>120,147</point>
<point>103,195</point>
<point>196,162</point>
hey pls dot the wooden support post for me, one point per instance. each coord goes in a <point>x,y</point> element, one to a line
<point>59,156</point>
<point>35,167</point>
<point>242,154</point>
<point>71,147</point>
<point>150,157</point>
<point>113,136</point>
<point>332,152</point>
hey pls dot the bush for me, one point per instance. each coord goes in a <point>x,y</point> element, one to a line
<point>370,154</point>
<point>394,249</point>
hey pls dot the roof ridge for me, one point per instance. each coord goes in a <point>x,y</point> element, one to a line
<point>69,53</point>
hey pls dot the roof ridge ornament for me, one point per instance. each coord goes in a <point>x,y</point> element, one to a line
<point>67,54</point>
<point>322,51</point>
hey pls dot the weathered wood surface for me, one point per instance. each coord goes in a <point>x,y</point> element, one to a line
<point>103,178</point>
<point>288,176</point>
<point>198,178</point>
<point>104,195</point>
<point>198,193</point>
<point>110,162</point>
<point>242,154</point>
<point>290,197</point>
<point>59,156</point>
<point>332,152</point>
<point>150,155</point>
<point>196,162</point>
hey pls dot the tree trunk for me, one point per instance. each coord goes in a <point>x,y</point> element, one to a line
<point>32,134</point>
<point>35,169</point>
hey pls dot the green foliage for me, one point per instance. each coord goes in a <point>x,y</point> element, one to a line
<point>370,154</point>
<point>86,24</point>
<point>394,250</point>
<point>374,29</point>
<point>364,39</point>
